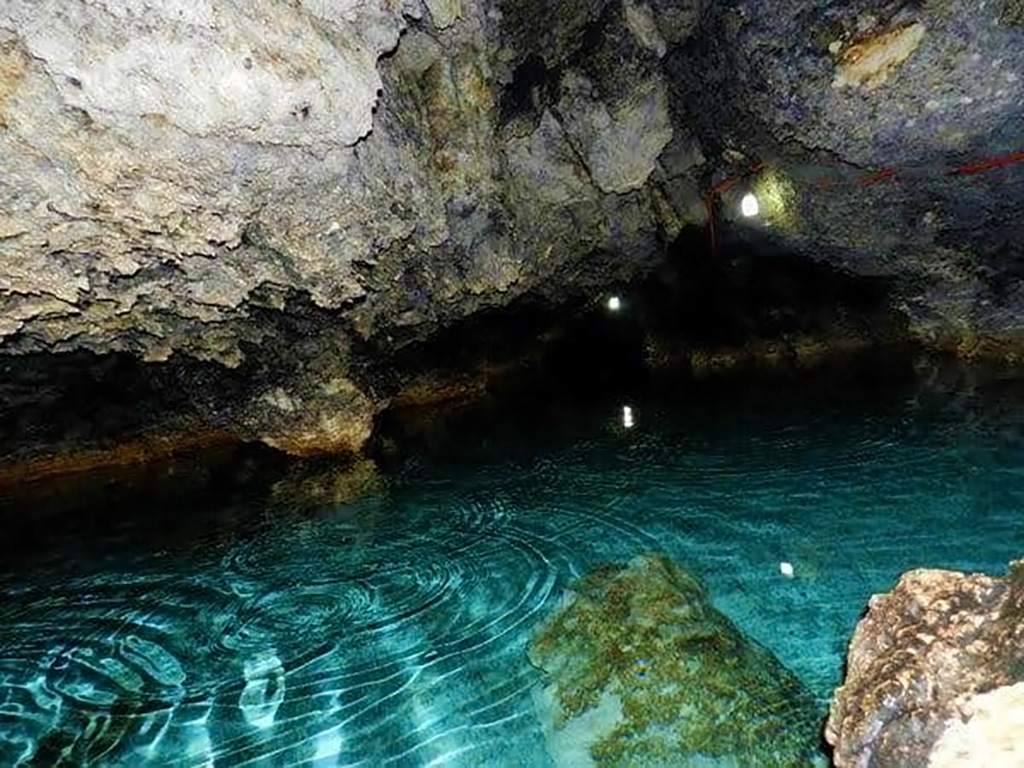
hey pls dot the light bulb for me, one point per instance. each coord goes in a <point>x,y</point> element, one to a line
<point>749,206</point>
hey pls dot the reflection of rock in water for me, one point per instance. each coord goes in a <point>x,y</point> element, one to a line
<point>643,671</point>
<point>325,483</point>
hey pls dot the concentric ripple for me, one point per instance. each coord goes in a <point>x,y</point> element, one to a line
<point>392,630</point>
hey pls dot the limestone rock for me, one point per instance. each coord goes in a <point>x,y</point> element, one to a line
<point>991,733</point>
<point>620,141</point>
<point>213,181</point>
<point>332,416</point>
<point>444,13</point>
<point>869,62</point>
<point>827,94</point>
<point>934,674</point>
<point>642,671</point>
<point>140,141</point>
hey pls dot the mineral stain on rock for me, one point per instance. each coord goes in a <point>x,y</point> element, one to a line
<point>869,62</point>
<point>641,670</point>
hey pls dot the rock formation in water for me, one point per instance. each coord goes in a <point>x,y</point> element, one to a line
<point>291,189</point>
<point>935,675</point>
<point>641,670</point>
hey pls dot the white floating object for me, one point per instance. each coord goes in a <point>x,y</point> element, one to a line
<point>627,416</point>
<point>749,206</point>
<point>614,303</point>
<point>786,569</point>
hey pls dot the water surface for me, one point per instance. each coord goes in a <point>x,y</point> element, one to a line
<point>391,629</point>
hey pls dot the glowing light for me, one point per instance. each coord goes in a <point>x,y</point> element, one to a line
<point>614,303</point>
<point>627,416</point>
<point>749,206</point>
<point>786,569</point>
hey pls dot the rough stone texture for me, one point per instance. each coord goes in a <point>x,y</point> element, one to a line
<point>991,734</point>
<point>642,671</point>
<point>175,178</point>
<point>934,675</point>
<point>177,166</point>
<point>925,88</point>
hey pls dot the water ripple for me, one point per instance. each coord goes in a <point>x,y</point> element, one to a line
<point>391,630</point>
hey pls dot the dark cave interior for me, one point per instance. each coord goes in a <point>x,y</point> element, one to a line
<point>695,299</point>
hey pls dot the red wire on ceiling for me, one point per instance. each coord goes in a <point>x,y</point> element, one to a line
<point>986,164</point>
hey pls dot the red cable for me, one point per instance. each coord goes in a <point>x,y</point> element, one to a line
<point>988,164</point>
<point>999,161</point>
<point>874,178</point>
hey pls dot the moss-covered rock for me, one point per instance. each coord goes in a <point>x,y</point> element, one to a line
<point>643,671</point>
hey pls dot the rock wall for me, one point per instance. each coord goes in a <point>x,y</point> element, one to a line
<point>892,140</point>
<point>178,178</point>
<point>175,166</point>
<point>286,188</point>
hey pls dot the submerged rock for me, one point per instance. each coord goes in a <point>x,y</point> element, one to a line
<point>643,671</point>
<point>935,675</point>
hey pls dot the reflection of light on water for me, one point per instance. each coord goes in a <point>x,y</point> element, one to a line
<point>327,744</point>
<point>195,736</point>
<point>391,630</point>
<point>264,689</point>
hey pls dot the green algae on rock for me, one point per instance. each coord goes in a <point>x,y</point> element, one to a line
<point>642,671</point>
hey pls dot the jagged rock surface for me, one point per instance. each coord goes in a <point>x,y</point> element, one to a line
<point>217,180</point>
<point>177,178</point>
<point>826,95</point>
<point>177,166</point>
<point>934,675</point>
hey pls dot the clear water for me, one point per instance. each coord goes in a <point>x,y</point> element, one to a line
<point>391,630</point>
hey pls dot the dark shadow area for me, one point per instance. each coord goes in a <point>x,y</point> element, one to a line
<point>574,360</point>
<point>519,419</point>
<point>532,351</point>
<point>52,398</point>
<point>738,293</point>
<point>533,86</point>
<point>191,503</point>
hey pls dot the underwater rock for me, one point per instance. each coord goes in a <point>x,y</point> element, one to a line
<point>641,670</point>
<point>934,675</point>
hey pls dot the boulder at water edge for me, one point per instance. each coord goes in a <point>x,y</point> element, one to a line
<point>935,675</point>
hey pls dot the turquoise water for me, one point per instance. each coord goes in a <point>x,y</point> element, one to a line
<point>391,630</point>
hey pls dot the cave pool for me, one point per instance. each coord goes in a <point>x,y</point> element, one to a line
<point>220,629</point>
